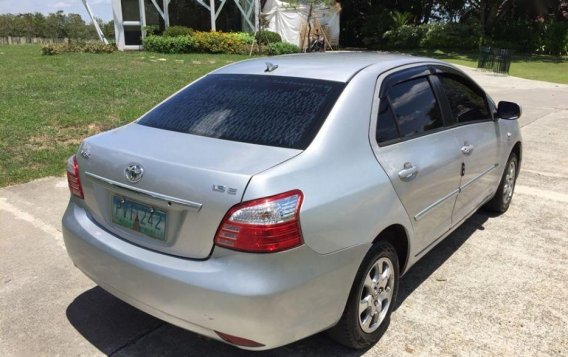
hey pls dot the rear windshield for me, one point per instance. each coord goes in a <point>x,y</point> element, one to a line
<point>265,110</point>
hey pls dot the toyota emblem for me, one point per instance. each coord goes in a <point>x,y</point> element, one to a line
<point>134,172</point>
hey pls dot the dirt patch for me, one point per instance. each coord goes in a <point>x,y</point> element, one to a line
<point>65,135</point>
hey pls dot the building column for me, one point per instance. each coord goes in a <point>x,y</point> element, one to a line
<point>142,5</point>
<point>118,27</point>
<point>212,12</point>
<point>166,13</point>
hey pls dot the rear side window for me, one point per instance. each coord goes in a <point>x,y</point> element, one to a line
<point>415,107</point>
<point>266,110</point>
<point>386,125</point>
<point>466,102</point>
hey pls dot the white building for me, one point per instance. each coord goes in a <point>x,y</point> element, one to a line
<point>132,18</point>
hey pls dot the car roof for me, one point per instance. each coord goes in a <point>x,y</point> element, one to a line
<point>334,66</point>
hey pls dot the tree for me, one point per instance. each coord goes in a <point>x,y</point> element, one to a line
<point>39,25</point>
<point>74,27</point>
<point>55,23</point>
<point>451,10</point>
<point>492,11</point>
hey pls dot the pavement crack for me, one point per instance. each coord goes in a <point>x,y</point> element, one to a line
<point>136,339</point>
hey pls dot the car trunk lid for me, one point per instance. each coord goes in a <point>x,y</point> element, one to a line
<point>188,184</point>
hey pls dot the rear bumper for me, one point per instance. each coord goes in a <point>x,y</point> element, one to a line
<point>273,299</point>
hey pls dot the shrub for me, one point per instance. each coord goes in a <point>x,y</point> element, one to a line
<point>549,37</point>
<point>152,30</point>
<point>85,47</point>
<point>554,38</point>
<point>406,36</point>
<point>51,49</point>
<point>281,48</point>
<point>515,46</point>
<point>373,29</point>
<point>204,42</point>
<point>523,36</point>
<point>176,31</point>
<point>452,36</point>
<point>267,37</point>
<point>179,44</point>
<point>221,42</point>
<point>245,37</point>
<point>96,47</point>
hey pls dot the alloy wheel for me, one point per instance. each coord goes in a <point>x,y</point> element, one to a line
<point>509,182</point>
<point>376,295</point>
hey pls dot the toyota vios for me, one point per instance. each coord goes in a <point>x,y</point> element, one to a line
<point>276,198</point>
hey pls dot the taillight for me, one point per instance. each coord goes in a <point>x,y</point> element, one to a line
<point>270,224</point>
<point>73,177</point>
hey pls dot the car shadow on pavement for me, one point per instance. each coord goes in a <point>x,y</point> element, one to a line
<point>118,329</point>
<point>428,264</point>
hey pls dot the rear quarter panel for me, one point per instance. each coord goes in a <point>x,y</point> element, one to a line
<point>348,198</point>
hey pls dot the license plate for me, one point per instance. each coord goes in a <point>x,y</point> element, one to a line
<point>139,218</point>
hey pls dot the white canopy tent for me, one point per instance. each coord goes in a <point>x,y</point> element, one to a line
<point>291,21</point>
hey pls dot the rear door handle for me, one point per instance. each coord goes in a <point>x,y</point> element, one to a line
<point>408,172</point>
<point>467,149</point>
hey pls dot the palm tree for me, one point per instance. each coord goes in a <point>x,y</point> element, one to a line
<point>400,18</point>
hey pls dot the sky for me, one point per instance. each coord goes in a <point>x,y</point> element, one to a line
<point>101,8</point>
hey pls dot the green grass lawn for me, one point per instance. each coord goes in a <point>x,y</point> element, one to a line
<point>542,68</point>
<point>48,104</point>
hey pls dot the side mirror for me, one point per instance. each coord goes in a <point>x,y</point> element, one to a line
<point>509,111</point>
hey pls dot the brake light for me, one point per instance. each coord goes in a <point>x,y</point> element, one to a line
<point>73,177</point>
<point>266,225</point>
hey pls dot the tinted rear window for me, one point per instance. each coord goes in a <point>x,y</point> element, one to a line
<point>266,110</point>
<point>386,126</point>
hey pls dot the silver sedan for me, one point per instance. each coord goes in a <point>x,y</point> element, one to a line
<point>276,198</point>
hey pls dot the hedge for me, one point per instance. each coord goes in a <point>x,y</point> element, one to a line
<point>281,48</point>
<point>214,42</point>
<point>201,42</point>
<point>452,36</point>
<point>267,37</point>
<point>222,42</point>
<point>85,47</point>
<point>405,37</point>
<point>550,37</point>
<point>438,36</point>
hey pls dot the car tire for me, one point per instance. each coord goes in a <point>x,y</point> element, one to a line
<point>502,200</point>
<point>376,285</point>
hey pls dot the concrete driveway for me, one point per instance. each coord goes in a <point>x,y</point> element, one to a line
<point>497,286</point>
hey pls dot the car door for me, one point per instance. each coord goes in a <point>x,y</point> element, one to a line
<point>419,155</point>
<point>478,135</point>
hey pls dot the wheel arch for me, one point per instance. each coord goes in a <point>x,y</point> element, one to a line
<point>518,150</point>
<point>397,236</point>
